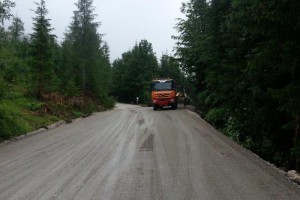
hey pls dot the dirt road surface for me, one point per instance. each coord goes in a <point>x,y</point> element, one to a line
<point>135,153</point>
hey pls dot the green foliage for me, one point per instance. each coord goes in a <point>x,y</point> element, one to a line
<point>132,74</point>
<point>2,86</point>
<point>232,131</point>
<point>108,102</point>
<point>37,66</point>
<point>9,127</point>
<point>242,58</point>
<point>67,72</point>
<point>16,29</point>
<point>10,123</point>
<point>20,113</point>
<point>170,68</point>
<point>42,44</point>
<point>85,56</point>
<point>5,8</point>
<point>217,116</point>
<point>16,119</point>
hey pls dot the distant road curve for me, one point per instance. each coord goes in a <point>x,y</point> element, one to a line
<point>133,152</point>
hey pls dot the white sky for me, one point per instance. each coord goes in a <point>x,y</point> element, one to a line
<point>124,22</point>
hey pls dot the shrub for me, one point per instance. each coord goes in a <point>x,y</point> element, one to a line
<point>217,117</point>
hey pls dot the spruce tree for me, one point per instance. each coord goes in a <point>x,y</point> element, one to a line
<point>242,57</point>
<point>82,29</point>
<point>16,29</point>
<point>91,58</point>
<point>5,8</point>
<point>42,42</point>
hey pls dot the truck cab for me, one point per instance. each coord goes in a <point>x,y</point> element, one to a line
<point>163,93</point>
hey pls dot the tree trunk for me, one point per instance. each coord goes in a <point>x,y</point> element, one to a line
<point>296,144</point>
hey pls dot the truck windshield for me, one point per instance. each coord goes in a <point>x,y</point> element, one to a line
<point>159,86</point>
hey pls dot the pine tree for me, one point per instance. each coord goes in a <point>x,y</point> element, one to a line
<point>16,29</point>
<point>42,42</point>
<point>89,54</point>
<point>84,39</point>
<point>5,7</point>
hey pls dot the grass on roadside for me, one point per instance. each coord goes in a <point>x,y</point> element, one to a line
<point>20,113</point>
<point>17,120</point>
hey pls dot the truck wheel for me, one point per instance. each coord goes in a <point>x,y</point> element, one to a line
<point>174,106</point>
<point>154,107</point>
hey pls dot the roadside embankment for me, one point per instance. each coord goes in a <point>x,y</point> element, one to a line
<point>21,114</point>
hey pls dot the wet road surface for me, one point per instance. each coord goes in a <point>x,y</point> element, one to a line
<point>137,153</point>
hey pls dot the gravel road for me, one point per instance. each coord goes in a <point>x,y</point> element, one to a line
<point>137,153</point>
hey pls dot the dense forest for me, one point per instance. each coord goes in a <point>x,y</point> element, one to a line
<point>43,80</point>
<point>132,74</point>
<point>239,60</point>
<point>242,58</point>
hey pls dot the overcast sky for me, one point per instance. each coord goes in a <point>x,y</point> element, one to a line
<point>124,22</point>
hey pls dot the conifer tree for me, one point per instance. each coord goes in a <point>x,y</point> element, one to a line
<point>90,54</point>
<point>16,29</point>
<point>42,42</point>
<point>5,8</point>
<point>242,57</point>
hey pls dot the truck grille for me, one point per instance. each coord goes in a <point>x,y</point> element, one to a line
<point>161,96</point>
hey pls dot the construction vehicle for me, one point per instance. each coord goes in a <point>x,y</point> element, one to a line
<point>163,93</point>
<point>182,96</point>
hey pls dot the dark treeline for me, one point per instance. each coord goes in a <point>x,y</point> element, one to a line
<point>132,74</point>
<point>78,66</point>
<point>243,60</point>
<point>75,72</point>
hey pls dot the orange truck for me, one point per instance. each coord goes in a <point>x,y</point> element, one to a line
<point>163,93</point>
